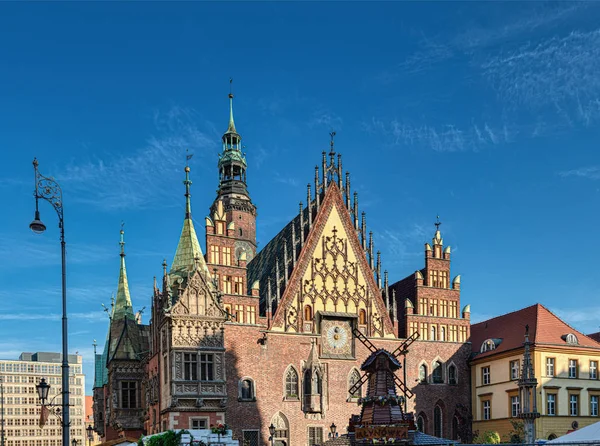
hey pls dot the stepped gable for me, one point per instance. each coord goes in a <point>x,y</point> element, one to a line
<point>544,326</point>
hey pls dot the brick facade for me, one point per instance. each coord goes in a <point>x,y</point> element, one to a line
<point>277,367</point>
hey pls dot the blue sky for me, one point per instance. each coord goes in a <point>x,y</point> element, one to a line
<point>484,113</point>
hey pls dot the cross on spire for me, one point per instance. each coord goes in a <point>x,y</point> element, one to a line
<point>437,223</point>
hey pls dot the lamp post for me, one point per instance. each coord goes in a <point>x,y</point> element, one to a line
<point>272,432</point>
<point>49,190</point>
<point>333,429</point>
<point>90,434</point>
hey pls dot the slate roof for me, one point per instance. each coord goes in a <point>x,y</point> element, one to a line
<point>128,340</point>
<point>262,266</point>
<point>508,331</point>
<point>188,252</point>
<point>394,364</point>
<point>421,438</point>
<point>595,336</point>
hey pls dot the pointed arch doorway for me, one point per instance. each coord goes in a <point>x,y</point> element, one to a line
<point>282,429</point>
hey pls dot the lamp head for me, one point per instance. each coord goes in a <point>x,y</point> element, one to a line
<point>37,225</point>
<point>272,429</point>
<point>333,428</point>
<point>74,442</point>
<point>42,389</point>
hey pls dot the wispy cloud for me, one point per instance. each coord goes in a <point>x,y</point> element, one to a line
<point>325,118</point>
<point>559,75</point>
<point>114,182</point>
<point>584,319</point>
<point>592,173</point>
<point>397,244</point>
<point>285,180</point>
<point>445,138</point>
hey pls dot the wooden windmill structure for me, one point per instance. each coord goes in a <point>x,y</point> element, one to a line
<point>382,416</point>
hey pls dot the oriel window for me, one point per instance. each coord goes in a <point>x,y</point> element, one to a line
<point>190,366</point>
<point>128,395</point>
<point>207,367</point>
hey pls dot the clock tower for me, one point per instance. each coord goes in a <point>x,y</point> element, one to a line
<point>231,229</point>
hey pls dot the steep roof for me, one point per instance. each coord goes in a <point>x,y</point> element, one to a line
<point>262,266</point>
<point>123,307</point>
<point>128,340</point>
<point>508,330</point>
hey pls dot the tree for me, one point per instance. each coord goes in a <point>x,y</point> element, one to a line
<point>517,434</point>
<point>489,437</point>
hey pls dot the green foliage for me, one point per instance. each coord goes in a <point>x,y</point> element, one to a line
<point>517,434</point>
<point>167,438</point>
<point>489,437</point>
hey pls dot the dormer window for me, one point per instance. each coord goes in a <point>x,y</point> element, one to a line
<point>488,345</point>
<point>571,339</point>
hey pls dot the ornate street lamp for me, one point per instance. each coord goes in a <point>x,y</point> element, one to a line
<point>90,433</point>
<point>272,432</point>
<point>46,188</point>
<point>333,429</point>
<point>42,389</point>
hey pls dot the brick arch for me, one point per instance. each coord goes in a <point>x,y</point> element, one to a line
<point>422,418</point>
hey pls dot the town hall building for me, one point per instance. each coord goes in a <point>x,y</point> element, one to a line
<point>253,338</point>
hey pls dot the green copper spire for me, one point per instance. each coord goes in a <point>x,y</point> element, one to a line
<point>188,255</point>
<point>231,128</point>
<point>123,308</point>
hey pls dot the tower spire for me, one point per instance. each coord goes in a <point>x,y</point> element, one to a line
<point>123,308</point>
<point>231,127</point>
<point>189,254</point>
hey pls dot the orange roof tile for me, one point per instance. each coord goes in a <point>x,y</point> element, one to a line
<point>545,328</point>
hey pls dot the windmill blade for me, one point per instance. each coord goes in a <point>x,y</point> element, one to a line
<point>403,348</point>
<point>402,387</point>
<point>362,338</point>
<point>358,384</point>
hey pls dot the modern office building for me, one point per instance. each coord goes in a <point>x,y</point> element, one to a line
<point>22,406</point>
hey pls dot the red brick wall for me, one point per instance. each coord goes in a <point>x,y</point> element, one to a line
<point>267,364</point>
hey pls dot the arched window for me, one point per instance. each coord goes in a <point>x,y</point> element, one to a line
<point>352,380</point>
<point>421,423</point>
<point>362,317</point>
<point>291,383</point>
<point>455,424</point>
<point>246,390</point>
<point>571,339</point>
<point>241,232</point>
<point>281,424</point>
<point>442,333</point>
<point>307,383</point>
<point>437,422</point>
<point>308,314</point>
<point>422,373</point>
<point>437,375</point>
<point>452,375</point>
<point>487,345</point>
<point>433,333</point>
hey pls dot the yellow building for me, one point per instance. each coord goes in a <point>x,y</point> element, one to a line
<point>566,368</point>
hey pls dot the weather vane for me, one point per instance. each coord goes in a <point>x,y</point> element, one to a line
<point>332,134</point>
<point>437,223</point>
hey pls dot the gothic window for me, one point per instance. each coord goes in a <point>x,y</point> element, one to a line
<point>421,423</point>
<point>362,317</point>
<point>352,380</point>
<point>437,374</point>
<point>128,395</point>
<point>227,284</point>
<point>452,375</point>
<point>246,390</point>
<point>291,383</point>
<point>190,366</point>
<point>250,314</point>
<point>238,285</point>
<point>207,367</point>
<point>281,437</point>
<point>307,383</point>
<point>226,256</point>
<point>433,333</point>
<point>239,313</point>
<point>442,333</point>
<point>214,254</point>
<point>308,314</point>
<point>437,422</point>
<point>422,373</point>
<point>455,424</point>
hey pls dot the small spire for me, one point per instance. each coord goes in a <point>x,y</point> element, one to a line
<point>123,308</point>
<point>231,127</point>
<point>188,183</point>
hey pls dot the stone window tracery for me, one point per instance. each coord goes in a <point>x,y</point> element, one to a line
<point>352,380</point>
<point>291,383</point>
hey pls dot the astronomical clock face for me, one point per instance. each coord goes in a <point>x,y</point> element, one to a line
<point>243,246</point>
<point>336,338</point>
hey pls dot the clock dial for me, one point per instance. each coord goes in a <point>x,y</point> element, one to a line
<point>336,338</point>
<point>243,246</point>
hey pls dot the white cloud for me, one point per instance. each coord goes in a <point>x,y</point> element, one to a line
<point>142,178</point>
<point>592,173</point>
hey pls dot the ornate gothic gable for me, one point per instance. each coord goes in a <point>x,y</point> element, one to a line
<point>332,275</point>
<point>198,299</point>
